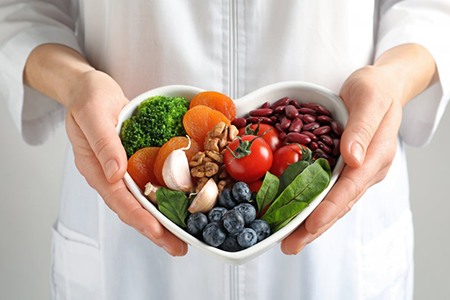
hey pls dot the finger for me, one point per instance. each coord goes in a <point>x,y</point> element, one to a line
<point>100,132</point>
<point>117,196</point>
<point>366,111</point>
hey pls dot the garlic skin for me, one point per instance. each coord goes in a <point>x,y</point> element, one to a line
<point>150,192</point>
<point>176,171</point>
<point>206,199</point>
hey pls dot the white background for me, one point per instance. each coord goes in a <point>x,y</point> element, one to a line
<point>30,186</point>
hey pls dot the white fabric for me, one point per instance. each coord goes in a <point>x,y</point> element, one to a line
<point>233,47</point>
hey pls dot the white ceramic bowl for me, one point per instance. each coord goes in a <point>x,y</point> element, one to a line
<point>304,92</point>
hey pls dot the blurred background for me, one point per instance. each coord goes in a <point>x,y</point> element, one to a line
<point>30,187</point>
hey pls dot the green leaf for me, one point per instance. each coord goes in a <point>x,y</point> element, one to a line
<point>174,205</point>
<point>267,192</point>
<point>291,172</point>
<point>298,194</point>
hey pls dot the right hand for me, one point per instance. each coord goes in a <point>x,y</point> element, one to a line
<point>93,109</point>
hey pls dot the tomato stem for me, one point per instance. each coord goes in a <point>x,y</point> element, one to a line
<point>243,149</point>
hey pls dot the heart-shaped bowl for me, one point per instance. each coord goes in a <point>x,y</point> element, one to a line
<point>301,91</point>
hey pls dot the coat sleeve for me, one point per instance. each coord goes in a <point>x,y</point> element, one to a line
<point>25,25</point>
<point>425,22</point>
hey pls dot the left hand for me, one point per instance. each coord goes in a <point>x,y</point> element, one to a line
<point>368,145</point>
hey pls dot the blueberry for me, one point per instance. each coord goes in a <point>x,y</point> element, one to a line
<point>230,244</point>
<point>214,234</point>
<point>226,199</point>
<point>248,211</point>
<point>195,223</point>
<point>261,228</point>
<point>241,192</point>
<point>233,221</point>
<point>247,238</point>
<point>216,214</point>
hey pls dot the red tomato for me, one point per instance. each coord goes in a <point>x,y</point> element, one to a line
<point>248,158</point>
<point>269,133</point>
<point>255,185</point>
<point>285,156</point>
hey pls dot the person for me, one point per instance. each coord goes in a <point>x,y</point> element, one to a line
<point>81,61</point>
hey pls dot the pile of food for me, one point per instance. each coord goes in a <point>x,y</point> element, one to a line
<point>231,182</point>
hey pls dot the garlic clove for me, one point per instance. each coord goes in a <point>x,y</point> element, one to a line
<point>205,200</point>
<point>150,192</point>
<point>176,171</point>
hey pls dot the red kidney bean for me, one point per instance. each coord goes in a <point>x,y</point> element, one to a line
<point>283,101</point>
<point>296,125</point>
<point>310,105</point>
<point>327,140</point>
<point>264,120</point>
<point>324,147</point>
<point>313,146</point>
<point>295,137</point>
<point>285,123</point>
<point>278,127</point>
<point>295,103</point>
<point>322,130</point>
<point>239,122</point>
<point>323,111</point>
<point>307,118</point>
<point>324,119</point>
<point>291,111</point>
<point>310,134</point>
<point>307,110</point>
<point>279,109</point>
<point>311,126</point>
<point>261,112</point>
<point>336,128</point>
<point>266,105</point>
<point>337,147</point>
<point>282,135</point>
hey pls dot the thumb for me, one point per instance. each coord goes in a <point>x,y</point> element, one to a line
<point>366,112</point>
<point>100,132</point>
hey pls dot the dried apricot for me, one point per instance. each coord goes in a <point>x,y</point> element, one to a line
<point>141,164</point>
<point>217,101</point>
<point>173,144</point>
<point>200,119</point>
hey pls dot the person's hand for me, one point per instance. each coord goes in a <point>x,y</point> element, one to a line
<point>368,145</point>
<point>93,109</point>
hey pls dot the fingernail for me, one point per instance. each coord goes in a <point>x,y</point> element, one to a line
<point>357,152</point>
<point>111,167</point>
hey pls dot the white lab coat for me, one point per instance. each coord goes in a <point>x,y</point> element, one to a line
<point>233,47</point>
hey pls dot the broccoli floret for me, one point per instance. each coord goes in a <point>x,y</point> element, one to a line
<point>154,122</point>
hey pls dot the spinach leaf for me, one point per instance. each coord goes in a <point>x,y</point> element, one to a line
<point>267,192</point>
<point>298,194</point>
<point>291,172</point>
<point>174,205</point>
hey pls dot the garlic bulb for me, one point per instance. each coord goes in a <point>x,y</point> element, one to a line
<point>205,200</point>
<point>176,171</point>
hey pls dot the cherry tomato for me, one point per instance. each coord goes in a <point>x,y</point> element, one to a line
<point>248,158</point>
<point>285,156</point>
<point>269,133</point>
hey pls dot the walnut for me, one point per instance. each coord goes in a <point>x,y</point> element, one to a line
<point>209,163</point>
<point>198,171</point>
<point>215,155</point>
<point>232,132</point>
<point>197,159</point>
<point>212,144</point>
